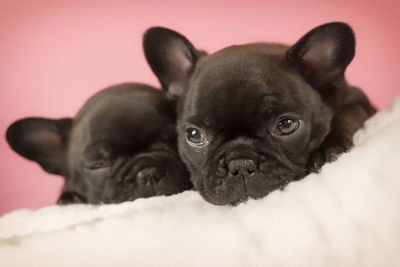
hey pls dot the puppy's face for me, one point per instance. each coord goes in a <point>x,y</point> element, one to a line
<point>249,116</point>
<point>121,146</point>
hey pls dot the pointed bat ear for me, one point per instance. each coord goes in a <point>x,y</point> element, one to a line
<point>172,58</point>
<point>323,54</point>
<point>41,140</point>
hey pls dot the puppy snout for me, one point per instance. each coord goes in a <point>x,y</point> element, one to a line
<point>245,167</point>
<point>148,176</point>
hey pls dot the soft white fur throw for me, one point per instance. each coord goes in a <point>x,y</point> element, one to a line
<point>348,215</point>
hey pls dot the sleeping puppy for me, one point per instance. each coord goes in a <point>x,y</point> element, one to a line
<point>120,146</point>
<point>252,118</point>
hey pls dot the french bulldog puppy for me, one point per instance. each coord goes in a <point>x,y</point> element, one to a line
<point>252,118</point>
<point>120,146</point>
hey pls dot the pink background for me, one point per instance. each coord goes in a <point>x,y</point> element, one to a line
<point>55,54</point>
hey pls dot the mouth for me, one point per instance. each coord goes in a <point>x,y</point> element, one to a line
<point>223,202</point>
<point>229,191</point>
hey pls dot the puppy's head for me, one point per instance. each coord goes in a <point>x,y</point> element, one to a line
<point>120,146</point>
<point>249,116</point>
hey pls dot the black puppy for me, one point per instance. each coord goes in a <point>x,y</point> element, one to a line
<point>252,118</point>
<point>120,146</point>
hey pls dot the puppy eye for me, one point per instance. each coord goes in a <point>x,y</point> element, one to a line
<point>195,137</point>
<point>101,164</point>
<point>287,126</point>
<point>98,155</point>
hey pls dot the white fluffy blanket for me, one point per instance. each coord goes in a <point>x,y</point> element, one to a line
<point>348,215</point>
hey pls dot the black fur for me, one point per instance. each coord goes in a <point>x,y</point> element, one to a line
<point>120,146</point>
<point>238,97</point>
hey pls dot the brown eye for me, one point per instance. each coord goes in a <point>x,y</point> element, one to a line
<point>195,137</point>
<point>287,126</point>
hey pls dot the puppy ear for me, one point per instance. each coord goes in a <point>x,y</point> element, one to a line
<point>171,57</point>
<point>323,54</point>
<point>41,140</point>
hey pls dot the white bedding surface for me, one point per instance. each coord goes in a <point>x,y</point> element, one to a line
<point>348,215</point>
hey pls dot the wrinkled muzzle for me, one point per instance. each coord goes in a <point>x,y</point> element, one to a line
<point>246,171</point>
<point>146,175</point>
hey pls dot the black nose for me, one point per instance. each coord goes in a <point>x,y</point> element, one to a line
<point>245,167</point>
<point>148,176</point>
